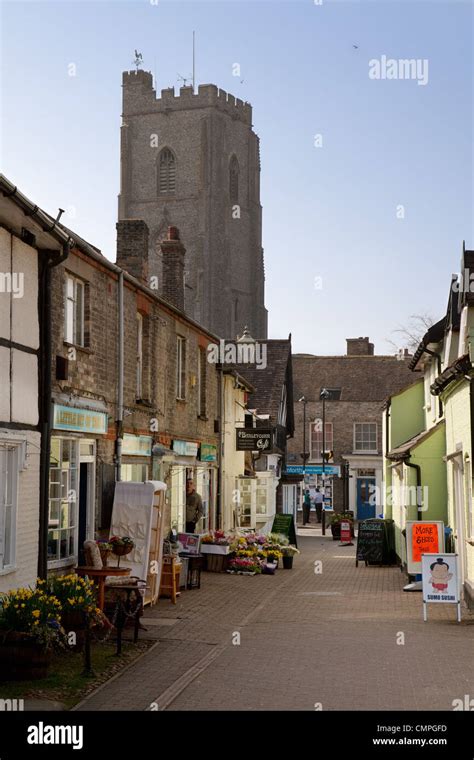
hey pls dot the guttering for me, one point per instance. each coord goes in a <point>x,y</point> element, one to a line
<point>440,369</point>
<point>119,420</point>
<point>419,506</point>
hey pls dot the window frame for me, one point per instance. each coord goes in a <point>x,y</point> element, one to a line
<point>70,558</point>
<point>12,448</point>
<point>329,440</point>
<point>358,450</point>
<point>70,336</point>
<point>169,188</point>
<point>180,368</point>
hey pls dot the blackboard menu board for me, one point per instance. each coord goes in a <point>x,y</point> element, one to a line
<point>285,525</point>
<point>370,541</point>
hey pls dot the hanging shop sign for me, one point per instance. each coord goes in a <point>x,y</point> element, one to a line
<point>422,538</point>
<point>313,469</point>
<point>137,445</point>
<point>440,580</point>
<point>253,439</point>
<point>208,452</point>
<point>78,420</point>
<point>185,448</point>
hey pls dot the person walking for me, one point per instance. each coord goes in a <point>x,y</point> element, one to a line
<point>306,507</point>
<point>194,509</point>
<point>318,502</point>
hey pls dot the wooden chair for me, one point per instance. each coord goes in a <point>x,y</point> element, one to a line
<point>169,586</point>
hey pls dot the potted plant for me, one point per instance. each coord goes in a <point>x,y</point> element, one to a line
<point>336,520</point>
<point>30,625</point>
<point>288,553</point>
<point>121,546</point>
<point>244,566</point>
<point>77,597</point>
<point>105,548</point>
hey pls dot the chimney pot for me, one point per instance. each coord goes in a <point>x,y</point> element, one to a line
<point>173,233</point>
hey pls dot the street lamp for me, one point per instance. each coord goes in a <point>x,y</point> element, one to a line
<point>324,395</point>
<point>304,455</point>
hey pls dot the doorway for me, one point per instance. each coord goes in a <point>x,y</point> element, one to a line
<point>86,517</point>
<point>365,498</point>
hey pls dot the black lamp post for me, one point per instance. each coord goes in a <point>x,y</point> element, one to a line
<point>304,454</point>
<point>324,395</point>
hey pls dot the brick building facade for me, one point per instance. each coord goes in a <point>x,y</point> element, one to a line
<point>166,427</point>
<point>358,384</point>
<point>192,160</point>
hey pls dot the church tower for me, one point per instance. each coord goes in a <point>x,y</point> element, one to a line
<point>192,161</point>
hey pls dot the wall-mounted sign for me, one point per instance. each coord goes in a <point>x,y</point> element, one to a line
<point>137,445</point>
<point>313,469</point>
<point>185,448</point>
<point>208,452</point>
<point>422,538</point>
<point>253,439</point>
<point>79,420</point>
<point>440,579</point>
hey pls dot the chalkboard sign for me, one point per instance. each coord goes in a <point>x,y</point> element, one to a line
<point>370,541</point>
<point>285,525</point>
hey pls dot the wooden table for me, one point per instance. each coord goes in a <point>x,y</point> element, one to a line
<point>99,574</point>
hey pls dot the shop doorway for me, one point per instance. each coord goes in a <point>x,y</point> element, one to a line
<point>86,504</point>
<point>365,498</point>
<point>290,499</point>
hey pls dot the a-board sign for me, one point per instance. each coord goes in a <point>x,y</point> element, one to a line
<point>440,580</point>
<point>370,541</point>
<point>346,532</point>
<point>285,525</point>
<point>423,537</point>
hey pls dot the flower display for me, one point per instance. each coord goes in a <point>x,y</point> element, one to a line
<point>244,565</point>
<point>217,537</point>
<point>74,594</point>
<point>31,611</point>
<point>121,541</point>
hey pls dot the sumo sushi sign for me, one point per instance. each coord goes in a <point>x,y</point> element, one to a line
<point>440,574</point>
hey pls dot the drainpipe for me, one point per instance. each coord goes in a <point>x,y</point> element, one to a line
<point>119,420</point>
<point>418,486</point>
<point>220,467</point>
<point>439,362</point>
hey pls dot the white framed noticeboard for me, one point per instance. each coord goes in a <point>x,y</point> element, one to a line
<point>441,582</point>
<point>423,537</point>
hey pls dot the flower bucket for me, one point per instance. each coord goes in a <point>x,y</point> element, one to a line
<point>23,658</point>
<point>287,562</point>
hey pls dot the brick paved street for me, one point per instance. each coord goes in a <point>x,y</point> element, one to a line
<point>305,638</point>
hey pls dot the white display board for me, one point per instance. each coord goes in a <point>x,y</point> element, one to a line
<point>440,579</point>
<point>135,514</point>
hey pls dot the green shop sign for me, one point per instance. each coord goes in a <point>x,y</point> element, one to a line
<point>208,452</point>
<point>78,420</point>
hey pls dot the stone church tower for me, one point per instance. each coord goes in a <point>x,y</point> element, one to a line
<point>192,161</point>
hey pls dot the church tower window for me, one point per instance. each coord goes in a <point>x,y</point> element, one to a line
<point>234,180</point>
<point>166,172</point>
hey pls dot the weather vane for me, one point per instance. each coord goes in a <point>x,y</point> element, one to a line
<point>185,79</point>
<point>138,59</point>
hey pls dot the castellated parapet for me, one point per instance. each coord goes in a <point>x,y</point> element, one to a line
<point>140,96</point>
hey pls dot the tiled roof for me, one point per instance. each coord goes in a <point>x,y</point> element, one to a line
<point>360,378</point>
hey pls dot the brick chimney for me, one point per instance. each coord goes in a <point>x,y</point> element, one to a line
<point>172,284</point>
<point>132,248</point>
<point>359,347</point>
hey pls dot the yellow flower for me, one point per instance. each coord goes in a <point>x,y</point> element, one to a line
<point>71,601</point>
<point>36,613</point>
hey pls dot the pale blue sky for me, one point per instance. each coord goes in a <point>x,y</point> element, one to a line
<point>328,212</point>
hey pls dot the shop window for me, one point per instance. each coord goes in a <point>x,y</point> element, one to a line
<point>180,368</point>
<point>74,311</point>
<point>63,499</point>
<point>8,504</point>
<point>316,440</point>
<point>136,473</point>
<point>365,436</point>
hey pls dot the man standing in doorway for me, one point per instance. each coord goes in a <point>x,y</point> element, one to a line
<point>193,507</point>
<point>306,507</point>
<point>318,502</point>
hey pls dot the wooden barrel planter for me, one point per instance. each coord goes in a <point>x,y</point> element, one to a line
<point>74,621</point>
<point>22,658</point>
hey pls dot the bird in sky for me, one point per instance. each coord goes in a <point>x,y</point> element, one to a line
<point>356,47</point>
